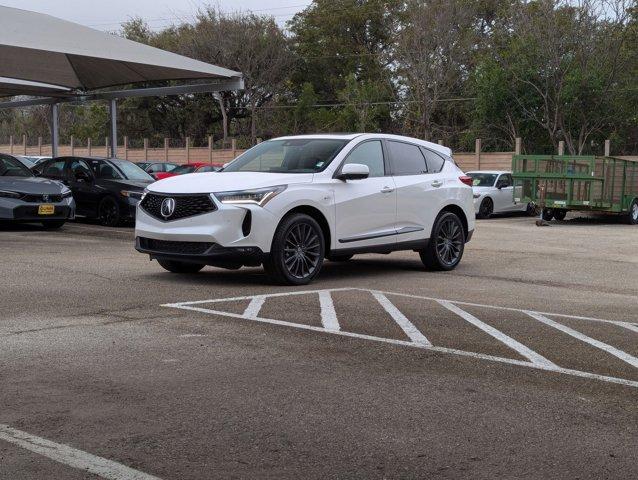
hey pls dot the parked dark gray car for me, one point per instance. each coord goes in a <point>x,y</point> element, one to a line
<point>27,198</point>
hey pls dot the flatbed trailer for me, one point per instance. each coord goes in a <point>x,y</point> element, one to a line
<point>560,183</point>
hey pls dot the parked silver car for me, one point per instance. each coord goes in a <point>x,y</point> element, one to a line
<point>27,198</point>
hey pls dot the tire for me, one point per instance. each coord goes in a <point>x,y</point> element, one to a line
<point>297,251</point>
<point>632,216</point>
<point>548,214</point>
<point>446,245</point>
<point>340,258</point>
<point>486,208</point>
<point>108,212</point>
<point>560,214</point>
<point>175,266</point>
<point>531,210</point>
<point>53,224</point>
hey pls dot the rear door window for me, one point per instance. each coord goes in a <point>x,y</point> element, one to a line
<point>407,159</point>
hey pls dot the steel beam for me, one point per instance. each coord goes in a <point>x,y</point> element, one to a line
<point>55,131</point>
<point>113,118</point>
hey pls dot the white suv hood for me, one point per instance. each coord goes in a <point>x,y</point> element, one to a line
<point>226,181</point>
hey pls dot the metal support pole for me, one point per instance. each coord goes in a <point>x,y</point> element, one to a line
<point>55,130</point>
<point>113,115</point>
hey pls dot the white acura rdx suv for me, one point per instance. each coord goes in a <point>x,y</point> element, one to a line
<point>290,202</point>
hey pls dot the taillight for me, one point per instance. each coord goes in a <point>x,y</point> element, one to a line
<point>466,180</point>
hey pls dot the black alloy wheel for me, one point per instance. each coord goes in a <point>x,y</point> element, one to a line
<point>297,250</point>
<point>548,214</point>
<point>560,214</point>
<point>446,245</point>
<point>532,209</point>
<point>108,212</point>
<point>486,208</point>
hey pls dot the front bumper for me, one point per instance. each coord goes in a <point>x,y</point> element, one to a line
<point>21,211</point>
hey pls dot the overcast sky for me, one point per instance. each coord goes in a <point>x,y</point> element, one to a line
<point>109,14</point>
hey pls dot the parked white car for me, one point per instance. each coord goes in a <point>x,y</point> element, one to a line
<point>494,193</point>
<point>290,202</point>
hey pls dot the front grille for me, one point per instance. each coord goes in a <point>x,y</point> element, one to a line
<point>185,205</point>
<point>169,246</point>
<point>41,198</point>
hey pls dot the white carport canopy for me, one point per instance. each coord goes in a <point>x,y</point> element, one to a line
<point>41,55</point>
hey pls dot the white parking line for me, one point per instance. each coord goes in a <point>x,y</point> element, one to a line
<point>330,324</point>
<point>406,325</point>
<point>71,457</point>
<point>253,308</point>
<point>528,353</point>
<point>624,356</point>
<point>328,314</point>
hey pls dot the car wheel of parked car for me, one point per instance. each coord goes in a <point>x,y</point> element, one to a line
<point>560,214</point>
<point>297,250</point>
<point>446,245</point>
<point>548,214</point>
<point>340,258</point>
<point>108,212</point>
<point>53,224</point>
<point>180,267</point>
<point>532,209</point>
<point>632,217</point>
<point>486,209</point>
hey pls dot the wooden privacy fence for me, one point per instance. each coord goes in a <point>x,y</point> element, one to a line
<point>467,161</point>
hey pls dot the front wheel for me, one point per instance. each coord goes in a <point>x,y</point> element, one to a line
<point>548,214</point>
<point>632,217</point>
<point>297,250</point>
<point>486,208</point>
<point>531,210</point>
<point>108,212</point>
<point>53,224</point>
<point>174,266</point>
<point>446,245</point>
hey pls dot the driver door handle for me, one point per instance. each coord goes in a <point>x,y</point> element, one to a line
<point>387,190</point>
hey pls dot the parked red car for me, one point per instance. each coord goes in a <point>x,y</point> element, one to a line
<point>196,167</point>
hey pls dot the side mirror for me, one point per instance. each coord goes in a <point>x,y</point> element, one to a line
<point>354,171</point>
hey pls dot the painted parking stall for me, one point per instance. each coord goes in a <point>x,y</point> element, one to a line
<point>420,324</point>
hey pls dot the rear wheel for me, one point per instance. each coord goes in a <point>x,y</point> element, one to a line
<point>53,224</point>
<point>486,208</point>
<point>632,217</point>
<point>531,210</point>
<point>297,251</point>
<point>548,214</point>
<point>174,266</point>
<point>446,245</point>
<point>560,214</point>
<point>108,212</point>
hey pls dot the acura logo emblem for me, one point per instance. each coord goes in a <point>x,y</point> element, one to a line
<point>168,207</point>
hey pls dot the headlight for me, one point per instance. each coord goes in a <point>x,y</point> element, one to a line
<point>6,193</point>
<point>476,195</point>
<point>259,196</point>
<point>137,195</point>
<point>66,193</point>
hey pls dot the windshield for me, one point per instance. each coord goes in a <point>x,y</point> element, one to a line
<point>482,179</point>
<point>299,155</point>
<point>183,169</point>
<point>115,169</point>
<point>10,167</point>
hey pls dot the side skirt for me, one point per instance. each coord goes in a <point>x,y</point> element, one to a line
<point>384,249</point>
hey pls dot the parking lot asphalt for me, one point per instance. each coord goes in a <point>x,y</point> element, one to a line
<point>521,363</point>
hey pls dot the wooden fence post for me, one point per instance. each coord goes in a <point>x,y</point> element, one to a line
<point>24,143</point>
<point>40,146</point>
<point>210,149</point>
<point>125,147</point>
<point>440,142</point>
<point>89,147</point>
<point>518,142</point>
<point>11,144</point>
<point>187,146</point>
<point>607,148</point>
<point>72,145</point>
<point>165,149</point>
<point>146,149</point>
<point>477,153</point>
<point>561,148</point>
<point>233,146</point>
<point>106,146</point>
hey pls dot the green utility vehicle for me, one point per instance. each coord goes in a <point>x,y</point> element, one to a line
<point>560,183</point>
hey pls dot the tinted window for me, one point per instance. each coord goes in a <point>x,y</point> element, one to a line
<point>11,167</point>
<point>407,159</point>
<point>370,154</point>
<point>434,160</point>
<point>298,155</point>
<point>79,168</point>
<point>154,168</point>
<point>505,180</point>
<point>54,169</point>
<point>482,179</point>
